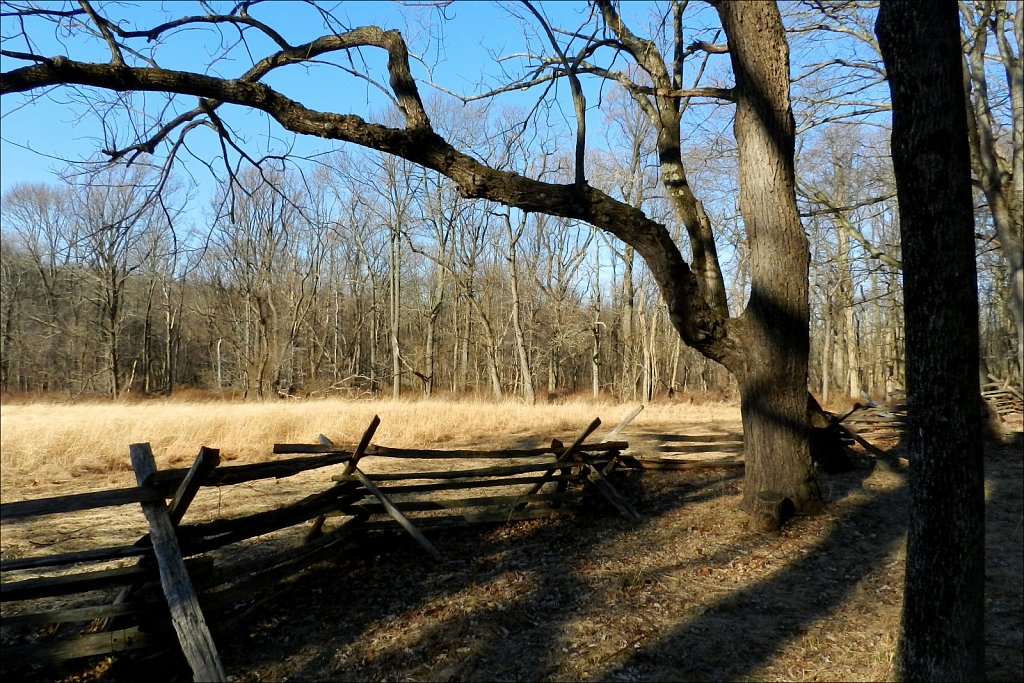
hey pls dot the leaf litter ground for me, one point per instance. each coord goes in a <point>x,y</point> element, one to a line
<point>687,594</point>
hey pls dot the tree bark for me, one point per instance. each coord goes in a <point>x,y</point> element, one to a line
<point>394,312</point>
<point>774,327</point>
<point>942,630</point>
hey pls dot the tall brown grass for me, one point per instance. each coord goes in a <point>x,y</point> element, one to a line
<point>59,440</point>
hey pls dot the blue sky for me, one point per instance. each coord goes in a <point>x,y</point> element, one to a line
<point>38,132</point>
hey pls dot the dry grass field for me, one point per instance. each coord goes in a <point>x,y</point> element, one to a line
<point>689,593</point>
<point>46,444</point>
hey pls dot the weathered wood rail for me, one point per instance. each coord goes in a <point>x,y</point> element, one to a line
<point>175,556</point>
<point>1003,398</point>
<point>872,420</point>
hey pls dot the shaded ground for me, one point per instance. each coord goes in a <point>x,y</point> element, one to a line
<point>686,594</point>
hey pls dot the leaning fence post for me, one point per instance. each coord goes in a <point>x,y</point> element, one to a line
<point>623,424</point>
<point>317,530</point>
<point>190,625</point>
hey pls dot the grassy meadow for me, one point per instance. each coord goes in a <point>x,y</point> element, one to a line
<point>57,441</point>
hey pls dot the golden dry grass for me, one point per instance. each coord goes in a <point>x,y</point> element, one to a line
<point>59,441</point>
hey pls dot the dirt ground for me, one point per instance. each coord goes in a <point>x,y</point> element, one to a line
<point>686,594</point>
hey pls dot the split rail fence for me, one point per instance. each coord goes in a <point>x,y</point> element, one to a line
<point>171,583</point>
<point>1003,398</point>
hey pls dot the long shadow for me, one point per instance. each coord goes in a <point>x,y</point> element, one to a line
<point>308,632</point>
<point>718,437</point>
<point>1004,561</point>
<point>512,639</point>
<point>382,587</point>
<point>748,627</point>
<point>535,571</point>
<point>728,447</point>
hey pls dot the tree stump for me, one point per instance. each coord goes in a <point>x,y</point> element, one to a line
<point>770,511</point>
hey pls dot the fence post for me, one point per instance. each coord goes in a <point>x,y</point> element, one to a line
<point>196,642</point>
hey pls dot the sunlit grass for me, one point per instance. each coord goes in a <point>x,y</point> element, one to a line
<point>60,440</point>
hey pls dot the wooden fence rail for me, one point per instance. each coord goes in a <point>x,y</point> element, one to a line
<point>176,553</point>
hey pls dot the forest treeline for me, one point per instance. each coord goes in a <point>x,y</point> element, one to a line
<point>375,277</point>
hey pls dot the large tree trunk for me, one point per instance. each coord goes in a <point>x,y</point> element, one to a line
<point>774,328</point>
<point>942,632</point>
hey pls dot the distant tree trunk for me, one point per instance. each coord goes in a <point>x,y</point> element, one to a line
<point>374,340</point>
<point>170,334</point>
<point>467,331</point>
<point>147,333</point>
<point>942,632</point>
<point>849,300</point>
<point>628,389</point>
<point>111,329</point>
<point>522,350</point>
<point>649,354</point>
<point>436,304</point>
<point>595,357</point>
<point>492,344</point>
<point>429,350</point>
<point>826,353</point>
<point>675,366</point>
<point>394,310</point>
<point>852,345</point>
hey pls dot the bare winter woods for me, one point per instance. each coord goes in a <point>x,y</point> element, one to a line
<point>361,273</point>
<point>372,277</point>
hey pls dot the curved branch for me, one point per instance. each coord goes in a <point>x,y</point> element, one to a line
<point>103,27</point>
<point>699,325</point>
<point>156,32</point>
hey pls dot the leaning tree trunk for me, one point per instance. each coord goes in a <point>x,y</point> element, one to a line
<point>774,327</point>
<point>942,631</point>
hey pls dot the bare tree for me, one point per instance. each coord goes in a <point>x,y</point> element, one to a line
<point>41,265</point>
<point>997,149</point>
<point>119,212</point>
<point>765,348</point>
<point>258,238</point>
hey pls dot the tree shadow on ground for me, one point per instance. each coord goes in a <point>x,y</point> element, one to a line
<point>747,627</point>
<point>589,595</point>
<point>1004,560</point>
<point>521,635</point>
